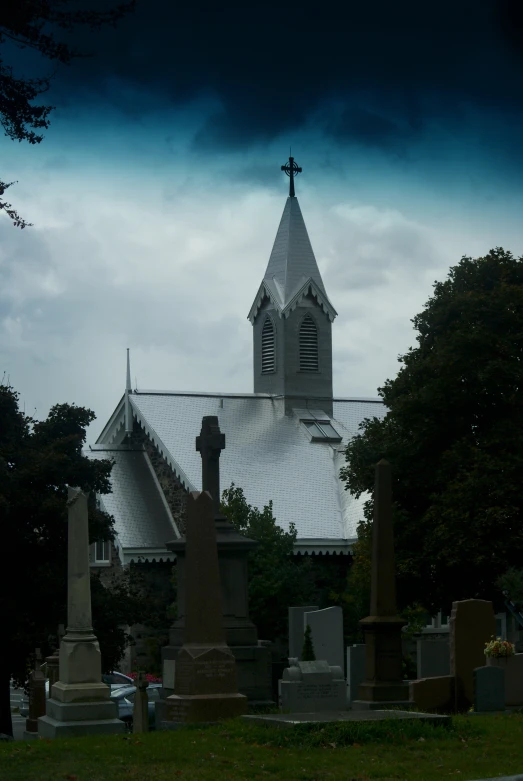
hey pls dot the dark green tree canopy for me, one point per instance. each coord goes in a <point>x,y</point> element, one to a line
<point>38,461</point>
<point>276,578</point>
<point>454,437</point>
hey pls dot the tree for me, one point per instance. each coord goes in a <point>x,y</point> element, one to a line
<point>38,461</point>
<point>276,578</point>
<point>307,653</point>
<point>33,25</point>
<point>453,436</point>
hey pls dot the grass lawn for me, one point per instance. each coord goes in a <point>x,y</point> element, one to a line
<point>472,748</point>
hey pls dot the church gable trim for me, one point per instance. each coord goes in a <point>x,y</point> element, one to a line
<point>309,287</point>
<point>164,452</point>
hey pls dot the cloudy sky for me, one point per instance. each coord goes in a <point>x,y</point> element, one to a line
<point>157,192</point>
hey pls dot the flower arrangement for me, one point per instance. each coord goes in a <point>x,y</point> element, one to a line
<point>498,647</point>
<point>148,677</point>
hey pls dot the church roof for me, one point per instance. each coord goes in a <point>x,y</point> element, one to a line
<point>292,271</point>
<point>143,522</point>
<point>268,454</point>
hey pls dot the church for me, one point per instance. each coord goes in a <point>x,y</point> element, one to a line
<point>285,441</point>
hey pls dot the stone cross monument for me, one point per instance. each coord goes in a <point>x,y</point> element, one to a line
<point>205,688</point>
<point>210,444</point>
<point>79,703</point>
<point>383,685</point>
<point>253,658</point>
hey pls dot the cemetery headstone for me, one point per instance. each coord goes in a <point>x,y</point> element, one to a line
<point>141,705</point>
<point>36,698</point>
<point>205,686</point>
<point>327,634</point>
<point>312,687</point>
<point>297,627</point>
<point>355,670</point>
<point>513,667</point>
<point>383,683</point>
<point>433,657</point>
<point>472,624</point>
<point>79,703</point>
<point>489,689</point>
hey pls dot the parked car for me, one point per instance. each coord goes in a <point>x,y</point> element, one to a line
<point>124,698</point>
<point>115,680</point>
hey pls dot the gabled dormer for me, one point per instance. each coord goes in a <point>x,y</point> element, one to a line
<point>292,316</point>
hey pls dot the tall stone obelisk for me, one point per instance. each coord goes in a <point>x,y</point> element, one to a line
<point>79,702</point>
<point>383,686</point>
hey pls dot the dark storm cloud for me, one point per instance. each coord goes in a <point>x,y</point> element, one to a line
<point>271,64</point>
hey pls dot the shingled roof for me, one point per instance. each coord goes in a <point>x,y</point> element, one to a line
<point>268,454</point>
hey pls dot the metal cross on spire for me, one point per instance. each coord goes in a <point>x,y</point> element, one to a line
<point>292,170</point>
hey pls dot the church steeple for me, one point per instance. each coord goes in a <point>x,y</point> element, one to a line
<point>292,315</point>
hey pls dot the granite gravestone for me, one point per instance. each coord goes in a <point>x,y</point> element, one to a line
<point>205,686</point>
<point>489,689</point>
<point>383,685</point>
<point>313,687</point>
<point>472,624</point>
<point>327,634</point>
<point>253,657</point>
<point>79,703</point>
<point>355,670</point>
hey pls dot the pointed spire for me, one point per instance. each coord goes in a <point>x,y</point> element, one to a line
<point>128,411</point>
<point>292,271</point>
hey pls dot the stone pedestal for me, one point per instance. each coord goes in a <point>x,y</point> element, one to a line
<point>79,703</point>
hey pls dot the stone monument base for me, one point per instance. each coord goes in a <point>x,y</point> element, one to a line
<point>209,708</point>
<point>68,719</point>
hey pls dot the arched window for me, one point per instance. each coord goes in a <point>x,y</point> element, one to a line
<point>268,350</point>
<point>308,345</point>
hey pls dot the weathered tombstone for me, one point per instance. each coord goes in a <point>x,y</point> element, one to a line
<point>313,687</point>
<point>355,670</point>
<point>472,624</point>
<point>383,685</point>
<point>327,634</point>
<point>297,627</point>
<point>79,703</point>
<point>513,667</point>
<point>53,660</point>
<point>253,657</point>
<point>489,689</point>
<point>205,686</point>
<point>141,705</point>
<point>433,657</point>
<point>36,698</point>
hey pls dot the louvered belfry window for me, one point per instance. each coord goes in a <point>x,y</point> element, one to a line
<point>308,345</point>
<point>268,357</point>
